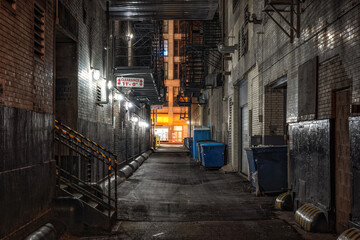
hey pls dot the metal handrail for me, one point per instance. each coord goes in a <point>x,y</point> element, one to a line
<point>101,164</point>
<point>61,125</point>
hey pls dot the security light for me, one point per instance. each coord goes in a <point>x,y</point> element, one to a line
<point>110,84</point>
<point>135,119</point>
<point>95,73</point>
<point>118,97</point>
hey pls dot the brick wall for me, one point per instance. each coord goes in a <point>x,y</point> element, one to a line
<point>273,112</point>
<point>26,118</point>
<point>329,31</point>
<point>332,76</point>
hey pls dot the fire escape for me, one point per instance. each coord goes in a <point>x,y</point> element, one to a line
<point>199,57</point>
<point>139,53</point>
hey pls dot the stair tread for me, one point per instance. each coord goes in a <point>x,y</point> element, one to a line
<point>77,195</point>
<point>106,212</point>
<point>63,186</point>
<point>92,204</point>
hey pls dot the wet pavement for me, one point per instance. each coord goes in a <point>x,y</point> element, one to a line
<point>172,197</point>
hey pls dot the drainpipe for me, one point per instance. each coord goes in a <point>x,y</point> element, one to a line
<point>108,55</point>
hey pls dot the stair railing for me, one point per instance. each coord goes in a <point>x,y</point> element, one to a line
<point>85,167</point>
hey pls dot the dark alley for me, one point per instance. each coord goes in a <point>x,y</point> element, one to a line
<point>180,119</point>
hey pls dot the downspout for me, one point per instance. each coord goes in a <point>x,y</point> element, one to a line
<point>108,55</point>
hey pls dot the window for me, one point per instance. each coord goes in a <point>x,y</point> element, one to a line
<point>165,26</point>
<point>176,26</point>
<point>246,14</point>
<point>176,70</point>
<point>243,41</point>
<point>177,48</point>
<point>84,9</point>
<point>235,4</point>
<point>166,70</point>
<point>39,31</point>
<point>176,91</point>
<point>166,47</point>
<point>167,94</point>
<point>10,5</point>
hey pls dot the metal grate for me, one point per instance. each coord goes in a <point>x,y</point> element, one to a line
<point>39,31</point>
<point>244,40</point>
<point>246,14</point>
<point>98,93</point>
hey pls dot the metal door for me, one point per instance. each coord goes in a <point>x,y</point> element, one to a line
<point>243,127</point>
<point>342,160</point>
<point>244,139</point>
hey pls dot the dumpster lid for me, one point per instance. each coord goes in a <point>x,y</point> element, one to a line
<point>212,144</point>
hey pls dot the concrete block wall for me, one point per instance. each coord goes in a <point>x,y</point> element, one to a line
<point>26,118</point>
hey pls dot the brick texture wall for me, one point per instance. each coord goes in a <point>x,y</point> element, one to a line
<point>26,118</point>
<point>274,112</point>
<point>329,31</point>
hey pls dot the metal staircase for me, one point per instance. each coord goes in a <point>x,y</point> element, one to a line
<point>86,172</point>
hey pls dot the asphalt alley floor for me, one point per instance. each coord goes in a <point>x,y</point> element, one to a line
<point>171,197</point>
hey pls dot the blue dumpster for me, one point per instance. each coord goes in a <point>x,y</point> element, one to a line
<point>199,133</point>
<point>268,168</point>
<point>186,142</point>
<point>213,154</point>
<point>199,143</point>
<point>190,143</point>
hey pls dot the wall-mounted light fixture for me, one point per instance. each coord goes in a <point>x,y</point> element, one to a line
<point>118,97</point>
<point>95,73</point>
<point>109,84</point>
<point>129,36</point>
<point>129,105</point>
<point>134,119</point>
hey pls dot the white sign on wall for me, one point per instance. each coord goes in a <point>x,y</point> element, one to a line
<point>129,82</point>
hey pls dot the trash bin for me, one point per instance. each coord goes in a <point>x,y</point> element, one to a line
<point>185,142</point>
<point>189,146</point>
<point>268,168</point>
<point>199,133</point>
<point>213,154</point>
<point>199,143</point>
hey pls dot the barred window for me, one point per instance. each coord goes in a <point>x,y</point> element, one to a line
<point>39,31</point>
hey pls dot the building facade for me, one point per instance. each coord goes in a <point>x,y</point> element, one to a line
<point>172,122</point>
<point>297,86</point>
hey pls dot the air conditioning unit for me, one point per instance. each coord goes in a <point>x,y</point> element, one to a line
<point>226,49</point>
<point>214,80</point>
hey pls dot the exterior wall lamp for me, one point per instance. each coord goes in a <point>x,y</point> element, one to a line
<point>95,73</point>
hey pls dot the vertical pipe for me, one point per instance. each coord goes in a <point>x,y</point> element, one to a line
<point>298,19</point>
<point>109,193</point>
<point>292,22</point>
